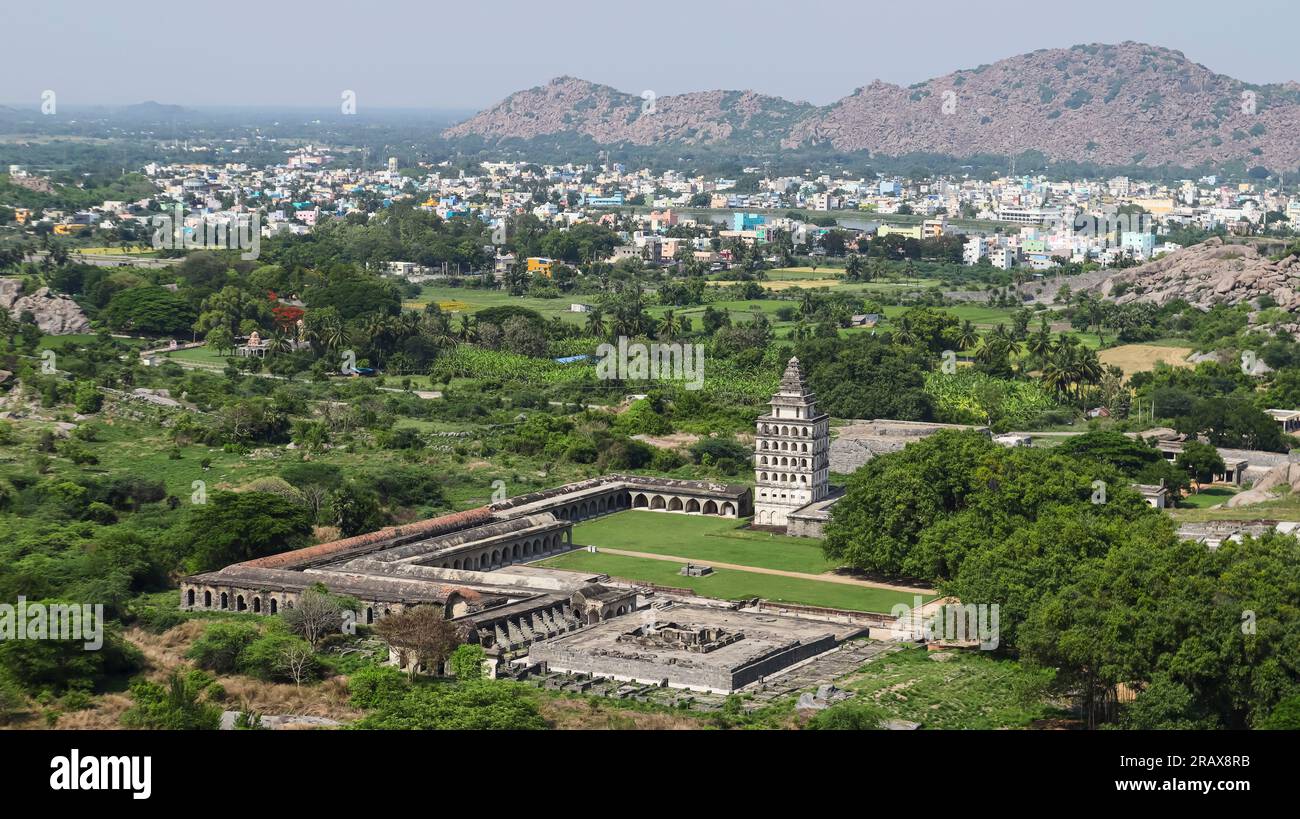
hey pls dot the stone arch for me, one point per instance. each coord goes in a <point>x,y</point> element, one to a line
<point>675,505</point>
<point>225,600</point>
<point>275,606</point>
<point>657,502</point>
<point>189,597</point>
<point>455,564</point>
<point>240,605</point>
<point>207,599</point>
<point>710,508</point>
<point>693,505</point>
<point>370,614</point>
<point>257,605</point>
<point>764,516</point>
<point>728,509</point>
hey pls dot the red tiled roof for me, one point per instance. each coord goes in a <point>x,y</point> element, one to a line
<point>432,526</point>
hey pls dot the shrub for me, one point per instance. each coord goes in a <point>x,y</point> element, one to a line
<point>848,716</point>
<point>176,706</point>
<point>221,645</point>
<point>378,685</point>
<point>280,657</point>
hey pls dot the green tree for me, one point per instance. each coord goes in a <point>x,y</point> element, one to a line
<point>236,526</point>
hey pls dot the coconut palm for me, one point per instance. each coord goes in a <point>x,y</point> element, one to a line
<point>967,336</point>
<point>596,323</point>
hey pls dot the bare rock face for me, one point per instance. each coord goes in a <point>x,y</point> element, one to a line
<point>1106,104</point>
<point>1287,474</point>
<point>1207,274</point>
<point>55,313</point>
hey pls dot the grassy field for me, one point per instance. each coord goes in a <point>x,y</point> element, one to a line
<point>1286,507</point>
<point>968,690</point>
<point>1208,497</point>
<point>702,539</point>
<point>1133,358</point>
<point>721,540</point>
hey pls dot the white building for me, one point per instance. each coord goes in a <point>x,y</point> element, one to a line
<point>791,452</point>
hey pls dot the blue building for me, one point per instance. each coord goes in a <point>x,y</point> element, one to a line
<point>747,221</point>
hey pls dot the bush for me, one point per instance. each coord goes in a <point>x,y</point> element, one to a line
<point>280,657</point>
<point>473,706</point>
<point>467,662</point>
<point>221,645</point>
<point>848,716</point>
<point>177,706</point>
<point>377,686</point>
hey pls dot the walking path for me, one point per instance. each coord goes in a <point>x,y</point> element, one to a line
<point>823,578</point>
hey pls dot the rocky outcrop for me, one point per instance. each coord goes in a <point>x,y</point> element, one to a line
<point>1114,105</point>
<point>1207,274</point>
<point>1266,488</point>
<point>55,313</point>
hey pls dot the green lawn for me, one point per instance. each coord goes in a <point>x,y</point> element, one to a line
<point>731,584</point>
<point>1207,497</point>
<point>702,539</point>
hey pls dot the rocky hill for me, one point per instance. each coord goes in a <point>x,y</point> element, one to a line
<point>1210,273</point>
<point>1107,104</point>
<point>55,313</point>
<point>571,105</point>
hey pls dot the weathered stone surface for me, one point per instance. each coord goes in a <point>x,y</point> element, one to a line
<point>1285,474</point>
<point>1207,274</point>
<point>56,314</point>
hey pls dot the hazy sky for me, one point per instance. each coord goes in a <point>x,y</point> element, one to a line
<point>431,54</point>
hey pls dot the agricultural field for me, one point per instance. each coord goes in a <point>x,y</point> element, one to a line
<point>471,300</point>
<point>1134,358</point>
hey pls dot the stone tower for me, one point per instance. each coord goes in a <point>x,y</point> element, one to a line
<point>791,451</point>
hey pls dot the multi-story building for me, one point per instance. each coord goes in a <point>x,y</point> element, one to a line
<point>791,451</point>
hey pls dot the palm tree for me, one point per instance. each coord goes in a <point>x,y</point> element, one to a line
<point>807,304</point>
<point>669,325</point>
<point>468,331</point>
<point>967,337</point>
<point>1040,343</point>
<point>905,334</point>
<point>596,323</point>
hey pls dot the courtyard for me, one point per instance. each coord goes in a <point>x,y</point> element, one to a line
<point>711,541</point>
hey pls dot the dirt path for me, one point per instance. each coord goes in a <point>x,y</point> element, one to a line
<point>824,578</point>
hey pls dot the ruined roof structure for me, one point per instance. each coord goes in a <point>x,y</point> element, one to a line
<point>465,562</point>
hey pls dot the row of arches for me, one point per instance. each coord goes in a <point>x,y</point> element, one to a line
<point>783,477</point>
<point>787,432</point>
<point>783,446</point>
<point>226,601</point>
<point>494,558</point>
<point>798,462</point>
<point>690,506</point>
<point>582,510</point>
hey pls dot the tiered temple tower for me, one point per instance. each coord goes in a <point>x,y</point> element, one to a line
<point>791,451</point>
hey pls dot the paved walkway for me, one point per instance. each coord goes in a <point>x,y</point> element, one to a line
<point>823,578</point>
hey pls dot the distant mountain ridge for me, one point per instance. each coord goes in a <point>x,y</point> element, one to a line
<point>1122,104</point>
